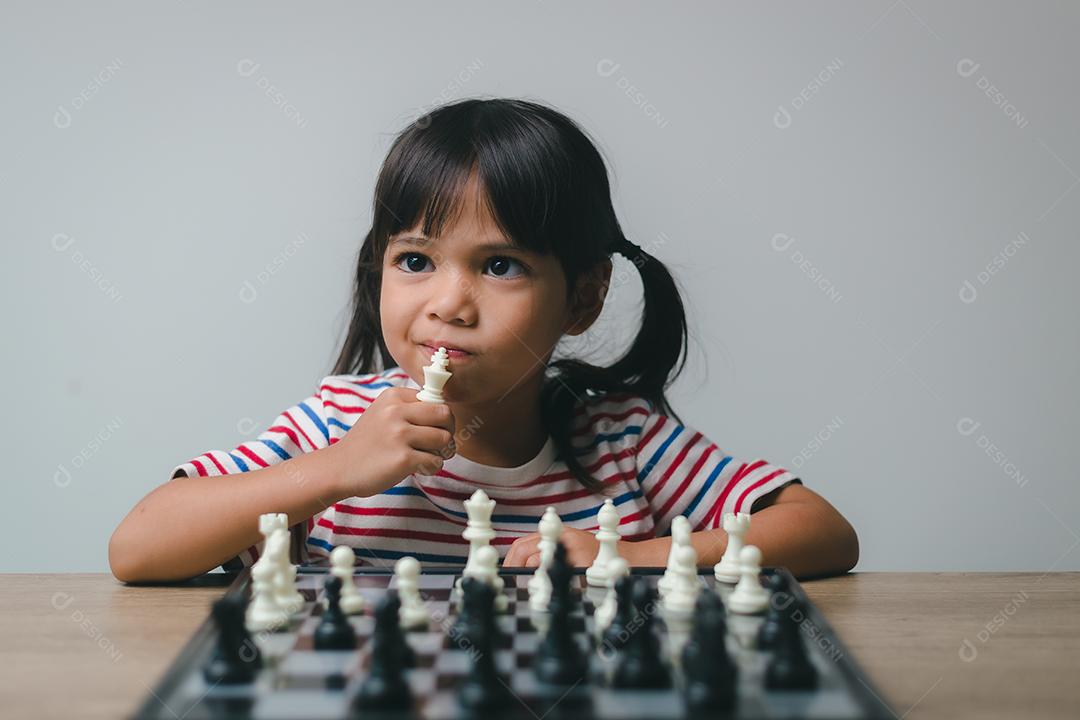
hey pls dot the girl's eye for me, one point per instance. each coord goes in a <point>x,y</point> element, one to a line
<point>416,262</point>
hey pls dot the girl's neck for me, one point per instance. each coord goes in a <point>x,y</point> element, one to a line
<point>501,434</point>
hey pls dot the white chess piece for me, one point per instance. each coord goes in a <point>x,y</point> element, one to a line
<point>680,536</point>
<point>478,531</point>
<point>550,528</point>
<point>342,560</point>
<point>263,612</point>
<point>684,588</point>
<point>728,569</point>
<point>288,597</point>
<point>413,612</point>
<point>608,536</point>
<point>605,611</point>
<point>486,569</point>
<point>435,376</point>
<point>749,597</point>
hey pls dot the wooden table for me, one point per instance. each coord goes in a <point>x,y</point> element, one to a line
<point>939,645</point>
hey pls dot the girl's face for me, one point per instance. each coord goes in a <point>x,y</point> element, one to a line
<point>469,289</point>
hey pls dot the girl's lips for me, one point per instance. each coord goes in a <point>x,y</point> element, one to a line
<point>455,354</point>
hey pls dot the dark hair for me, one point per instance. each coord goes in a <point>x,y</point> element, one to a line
<point>546,187</point>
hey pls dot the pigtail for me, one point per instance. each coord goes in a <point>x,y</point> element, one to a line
<point>655,359</point>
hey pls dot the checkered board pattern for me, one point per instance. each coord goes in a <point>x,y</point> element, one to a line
<point>299,682</point>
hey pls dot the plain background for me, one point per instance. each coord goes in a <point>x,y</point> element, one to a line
<point>871,206</point>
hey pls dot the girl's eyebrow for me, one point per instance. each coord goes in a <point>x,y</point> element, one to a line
<point>420,241</point>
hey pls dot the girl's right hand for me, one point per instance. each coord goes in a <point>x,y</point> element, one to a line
<point>397,435</point>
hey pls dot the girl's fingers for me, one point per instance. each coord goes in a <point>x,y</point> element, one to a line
<point>533,560</point>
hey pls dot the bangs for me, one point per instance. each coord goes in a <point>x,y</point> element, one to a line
<point>522,166</point>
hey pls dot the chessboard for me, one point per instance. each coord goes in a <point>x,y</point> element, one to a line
<point>297,681</point>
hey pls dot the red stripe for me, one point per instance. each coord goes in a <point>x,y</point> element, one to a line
<point>345,391</point>
<point>540,502</point>
<point>759,483</point>
<point>301,430</point>
<point>447,538</point>
<point>252,456</point>
<point>715,509</point>
<point>344,408</point>
<point>292,436</point>
<point>659,484</point>
<point>613,416</point>
<point>199,467</point>
<point>219,466</point>
<point>643,442</point>
<point>662,512</point>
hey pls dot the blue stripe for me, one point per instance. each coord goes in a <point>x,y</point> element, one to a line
<point>530,519</point>
<point>377,384</point>
<point>708,484</point>
<point>337,423</point>
<point>604,437</point>
<point>317,420</point>
<point>276,448</point>
<point>392,554</point>
<point>659,452</point>
<point>239,463</point>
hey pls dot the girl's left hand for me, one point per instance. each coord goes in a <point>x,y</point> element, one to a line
<point>581,549</point>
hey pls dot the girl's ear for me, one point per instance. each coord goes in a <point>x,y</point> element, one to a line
<point>588,297</point>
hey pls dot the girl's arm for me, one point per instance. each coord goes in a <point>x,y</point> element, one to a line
<point>796,528</point>
<point>191,525</point>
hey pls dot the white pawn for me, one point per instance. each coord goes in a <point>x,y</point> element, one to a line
<point>342,559</point>
<point>435,376</point>
<point>540,584</point>
<point>684,588</point>
<point>680,537</point>
<point>608,537</point>
<point>413,612</point>
<point>284,578</point>
<point>263,612</point>
<point>486,569</point>
<point>749,597</point>
<point>728,569</point>
<point>605,611</point>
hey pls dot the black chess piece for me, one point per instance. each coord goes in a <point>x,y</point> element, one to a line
<point>483,689</point>
<point>392,610</point>
<point>385,687</point>
<point>559,659</point>
<point>334,631</point>
<point>639,664</point>
<point>710,672</point>
<point>774,616</point>
<point>236,659</point>
<point>617,630</point>
<point>790,667</point>
<point>477,606</point>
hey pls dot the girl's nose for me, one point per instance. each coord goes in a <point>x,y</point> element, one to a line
<point>454,299</point>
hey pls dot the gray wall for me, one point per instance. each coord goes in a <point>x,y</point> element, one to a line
<point>869,205</point>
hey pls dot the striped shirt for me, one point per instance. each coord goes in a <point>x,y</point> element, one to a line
<point>652,467</point>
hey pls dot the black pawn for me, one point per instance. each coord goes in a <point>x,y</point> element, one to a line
<point>617,631</point>
<point>790,667</point>
<point>774,616</point>
<point>334,631</point>
<point>559,659</point>
<point>639,664</point>
<point>385,687</point>
<point>475,608</point>
<point>709,670</point>
<point>482,689</point>
<point>236,658</point>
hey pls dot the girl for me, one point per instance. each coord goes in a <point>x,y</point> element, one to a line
<point>492,236</point>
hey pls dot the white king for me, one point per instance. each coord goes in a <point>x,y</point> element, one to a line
<point>435,376</point>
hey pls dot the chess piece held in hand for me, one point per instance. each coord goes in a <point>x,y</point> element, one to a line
<point>435,376</point>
